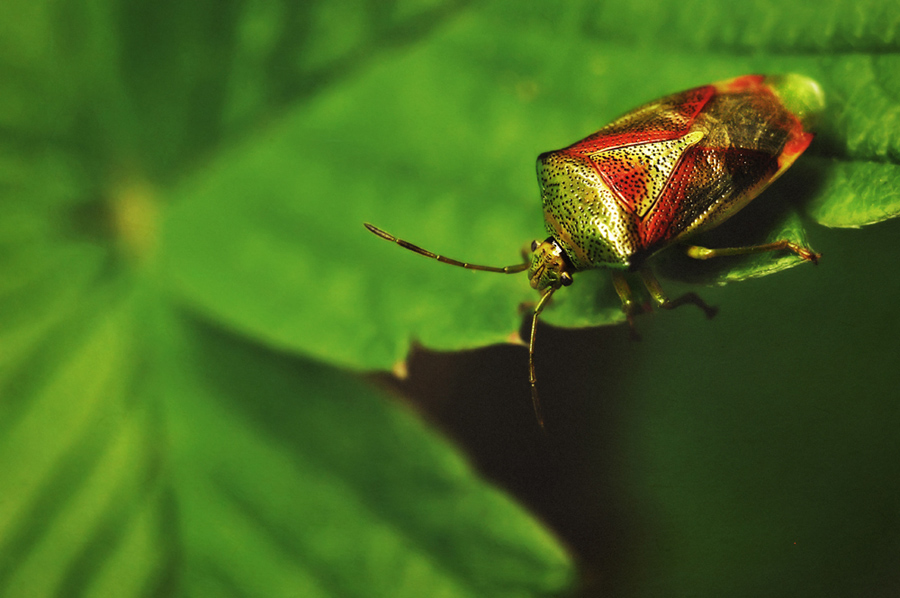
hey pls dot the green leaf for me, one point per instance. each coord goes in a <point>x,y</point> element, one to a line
<point>148,451</point>
<point>436,144</point>
<point>184,271</point>
<point>294,508</point>
<point>857,160</point>
<point>144,451</point>
<point>856,193</point>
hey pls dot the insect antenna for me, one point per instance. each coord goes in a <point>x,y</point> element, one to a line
<point>532,378</point>
<point>505,270</point>
<point>407,245</point>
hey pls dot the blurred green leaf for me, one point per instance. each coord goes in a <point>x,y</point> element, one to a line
<point>147,452</point>
<point>314,486</point>
<point>143,452</point>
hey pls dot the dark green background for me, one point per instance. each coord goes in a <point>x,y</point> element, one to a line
<point>190,309</point>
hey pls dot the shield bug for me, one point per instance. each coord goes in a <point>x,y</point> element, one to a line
<point>654,178</point>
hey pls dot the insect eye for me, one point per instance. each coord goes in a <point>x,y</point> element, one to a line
<point>565,278</point>
<point>534,245</point>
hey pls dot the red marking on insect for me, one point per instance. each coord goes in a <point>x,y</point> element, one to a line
<point>794,147</point>
<point>646,124</point>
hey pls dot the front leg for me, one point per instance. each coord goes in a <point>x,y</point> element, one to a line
<point>629,306</point>
<point>659,296</point>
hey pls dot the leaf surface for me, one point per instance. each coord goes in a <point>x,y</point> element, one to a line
<point>184,272</point>
<point>436,145</point>
<point>143,450</point>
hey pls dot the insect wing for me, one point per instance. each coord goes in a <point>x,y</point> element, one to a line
<point>750,137</point>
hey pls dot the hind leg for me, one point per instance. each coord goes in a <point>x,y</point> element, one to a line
<point>705,253</point>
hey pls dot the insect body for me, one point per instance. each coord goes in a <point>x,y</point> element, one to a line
<point>655,177</point>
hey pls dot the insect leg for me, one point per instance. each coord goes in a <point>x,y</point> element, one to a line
<point>705,253</point>
<point>659,296</point>
<point>629,306</point>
